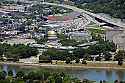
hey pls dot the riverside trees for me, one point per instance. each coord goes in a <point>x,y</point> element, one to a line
<point>17,51</point>
<point>113,7</point>
<point>37,76</point>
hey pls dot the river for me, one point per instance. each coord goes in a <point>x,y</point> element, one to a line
<point>91,74</point>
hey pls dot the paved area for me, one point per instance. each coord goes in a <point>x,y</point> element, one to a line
<point>19,41</point>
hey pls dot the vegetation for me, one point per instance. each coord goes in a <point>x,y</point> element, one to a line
<point>38,76</point>
<point>68,60</point>
<point>107,56</point>
<point>84,62</point>
<point>6,2</point>
<point>39,10</point>
<point>66,41</point>
<point>77,60</point>
<point>120,62</point>
<point>101,47</point>
<point>55,54</point>
<point>113,7</point>
<point>96,29</point>
<point>120,55</point>
<point>83,1</point>
<point>17,51</point>
<point>41,40</point>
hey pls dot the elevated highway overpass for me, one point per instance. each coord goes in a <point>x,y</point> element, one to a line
<point>109,21</point>
<point>122,25</point>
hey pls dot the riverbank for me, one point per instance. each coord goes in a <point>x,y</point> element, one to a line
<point>92,65</point>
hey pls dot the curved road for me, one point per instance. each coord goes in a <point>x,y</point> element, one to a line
<point>122,25</point>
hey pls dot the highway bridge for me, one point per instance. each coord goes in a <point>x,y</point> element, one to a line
<point>121,25</point>
<point>108,21</point>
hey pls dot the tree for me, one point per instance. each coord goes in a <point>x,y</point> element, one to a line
<point>113,7</point>
<point>1,51</point>
<point>107,56</point>
<point>79,52</point>
<point>20,74</point>
<point>84,62</point>
<point>31,75</point>
<point>120,55</point>
<point>55,54</point>
<point>96,49</point>
<point>18,81</point>
<point>87,57</point>
<point>3,75</point>
<point>98,58</point>
<point>10,73</point>
<point>17,51</point>
<point>86,81</point>
<point>120,62</point>
<point>43,57</point>
<point>41,40</point>
<point>68,60</point>
<point>58,80</point>
<point>4,81</point>
<point>101,47</point>
<point>77,60</point>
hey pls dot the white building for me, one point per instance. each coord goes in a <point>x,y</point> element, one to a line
<point>52,40</point>
<point>80,35</point>
<point>111,33</point>
<point>117,36</point>
<point>119,40</point>
<point>29,60</point>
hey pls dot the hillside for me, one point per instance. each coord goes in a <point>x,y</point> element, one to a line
<point>83,1</point>
<point>115,8</point>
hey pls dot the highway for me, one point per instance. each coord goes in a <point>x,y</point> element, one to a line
<point>119,24</point>
<point>122,25</point>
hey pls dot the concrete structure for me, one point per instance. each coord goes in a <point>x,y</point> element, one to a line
<point>73,21</point>
<point>52,40</point>
<point>90,14</point>
<point>111,33</point>
<point>80,35</point>
<point>119,40</point>
<point>117,36</point>
<point>52,36</point>
<point>30,60</point>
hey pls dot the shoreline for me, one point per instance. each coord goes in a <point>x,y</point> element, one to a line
<point>69,66</point>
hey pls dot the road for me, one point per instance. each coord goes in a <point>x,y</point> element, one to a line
<point>88,13</point>
<point>119,24</point>
<point>90,65</point>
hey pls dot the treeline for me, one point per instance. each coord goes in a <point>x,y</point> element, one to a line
<point>40,9</point>
<point>83,1</point>
<point>115,8</point>
<point>6,2</point>
<point>38,76</point>
<point>101,47</point>
<point>17,51</point>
